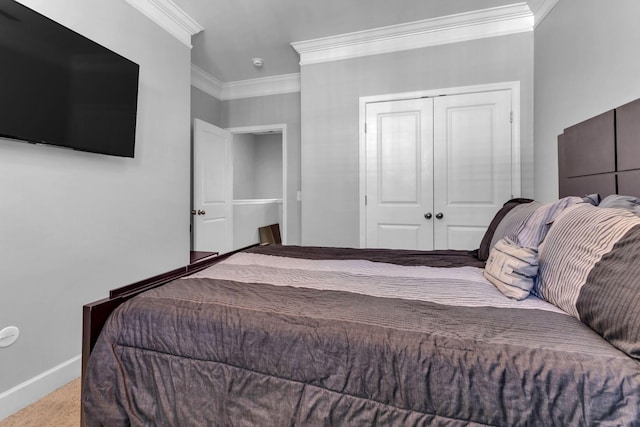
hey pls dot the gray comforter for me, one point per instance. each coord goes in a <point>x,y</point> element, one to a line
<point>210,351</point>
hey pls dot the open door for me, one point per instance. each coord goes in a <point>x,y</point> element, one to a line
<point>212,212</point>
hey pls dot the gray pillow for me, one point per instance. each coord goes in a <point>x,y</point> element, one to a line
<point>485,244</point>
<point>621,202</point>
<point>588,266</point>
<point>594,199</point>
<point>513,222</point>
<point>535,229</point>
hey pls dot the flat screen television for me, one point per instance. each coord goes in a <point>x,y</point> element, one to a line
<point>58,87</point>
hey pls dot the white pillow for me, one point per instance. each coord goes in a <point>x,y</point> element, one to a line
<point>512,268</point>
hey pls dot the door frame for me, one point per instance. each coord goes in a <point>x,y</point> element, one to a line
<point>281,128</point>
<point>514,86</point>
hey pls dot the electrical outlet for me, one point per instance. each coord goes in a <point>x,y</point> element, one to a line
<point>8,336</point>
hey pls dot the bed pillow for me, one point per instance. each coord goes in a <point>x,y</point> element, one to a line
<point>535,228</point>
<point>513,222</point>
<point>588,266</point>
<point>621,202</point>
<point>512,268</point>
<point>594,199</point>
<point>485,244</point>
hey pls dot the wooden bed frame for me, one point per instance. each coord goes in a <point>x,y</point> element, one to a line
<point>95,314</point>
<point>599,155</point>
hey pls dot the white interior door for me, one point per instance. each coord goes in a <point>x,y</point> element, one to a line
<point>472,169</point>
<point>399,167</point>
<point>212,188</point>
<point>437,169</point>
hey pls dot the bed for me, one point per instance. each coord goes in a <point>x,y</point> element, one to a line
<point>287,335</point>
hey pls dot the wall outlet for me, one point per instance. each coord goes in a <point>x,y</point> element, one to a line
<point>8,336</point>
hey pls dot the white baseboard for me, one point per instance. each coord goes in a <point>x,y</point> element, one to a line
<point>24,394</point>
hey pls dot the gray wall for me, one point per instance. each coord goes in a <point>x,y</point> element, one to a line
<point>586,62</point>
<point>267,110</point>
<point>257,166</point>
<point>268,167</point>
<point>205,107</point>
<point>244,171</point>
<point>74,225</point>
<point>247,218</point>
<point>330,111</point>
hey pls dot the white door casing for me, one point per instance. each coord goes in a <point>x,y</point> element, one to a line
<point>475,168</point>
<point>399,169</point>
<point>212,188</point>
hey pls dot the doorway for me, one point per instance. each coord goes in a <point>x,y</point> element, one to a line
<point>259,181</point>
<point>214,205</point>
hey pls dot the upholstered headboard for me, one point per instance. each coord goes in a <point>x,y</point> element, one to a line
<point>602,154</point>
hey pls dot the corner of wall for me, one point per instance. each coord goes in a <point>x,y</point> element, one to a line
<point>24,394</point>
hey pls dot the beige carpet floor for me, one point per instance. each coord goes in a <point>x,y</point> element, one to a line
<point>61,408</point>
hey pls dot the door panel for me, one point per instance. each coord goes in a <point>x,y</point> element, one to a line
<point>212,188</point>
<point>461,237</point>
<point>405,236</point>
<point>399,168</point>
<point>469,137</point>
<point>472,172</point>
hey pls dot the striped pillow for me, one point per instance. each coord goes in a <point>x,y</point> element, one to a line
<point>588,266</point>
<point>513,222</point>
<point>485,244</point>
<point>535,229</point>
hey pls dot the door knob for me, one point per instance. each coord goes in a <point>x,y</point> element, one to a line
<point>439,215</point>
<point>198,212</point>
<point>428,215</point>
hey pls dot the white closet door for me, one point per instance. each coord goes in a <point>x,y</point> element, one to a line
<point>399,150</point>
<point>212,188</point>
<point>472,169</point>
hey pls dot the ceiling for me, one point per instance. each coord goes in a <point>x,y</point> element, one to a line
<point>235,31</point>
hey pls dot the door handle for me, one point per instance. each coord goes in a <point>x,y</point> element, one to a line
<point>198,212</point>
<point>439,215</point>
<point>428,215</point>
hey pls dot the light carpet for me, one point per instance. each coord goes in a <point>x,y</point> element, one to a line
<point>60,408</point>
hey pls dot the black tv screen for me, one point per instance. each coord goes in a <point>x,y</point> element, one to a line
<point>58,87</point>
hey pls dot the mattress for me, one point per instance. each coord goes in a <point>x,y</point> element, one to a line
<point>318,336</point>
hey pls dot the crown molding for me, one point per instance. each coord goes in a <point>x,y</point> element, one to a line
<point>285,83</point>
<point>541,9</point>
<point>205,82</point>
<point>166,14</point>
<point>492,22</point>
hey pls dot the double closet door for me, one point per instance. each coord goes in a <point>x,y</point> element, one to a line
<point>437,169</point>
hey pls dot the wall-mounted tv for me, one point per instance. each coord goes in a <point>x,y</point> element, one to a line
<point>58,87</point>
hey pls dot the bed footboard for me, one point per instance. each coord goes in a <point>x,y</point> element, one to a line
<point>95,314</point>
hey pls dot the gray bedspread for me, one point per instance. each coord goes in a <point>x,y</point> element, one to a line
<point>209,352</point>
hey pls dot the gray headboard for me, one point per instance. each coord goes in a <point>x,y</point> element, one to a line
<point>602,154</point>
